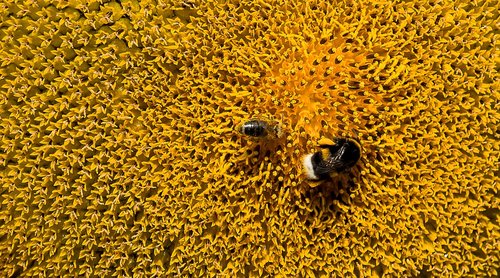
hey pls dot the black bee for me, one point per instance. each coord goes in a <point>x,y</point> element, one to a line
<point>260,128</point>
<point>336,158</point>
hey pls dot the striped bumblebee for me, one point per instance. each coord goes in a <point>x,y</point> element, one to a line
<point>335,157</point>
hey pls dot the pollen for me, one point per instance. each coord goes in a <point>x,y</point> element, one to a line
<point>120,154</point>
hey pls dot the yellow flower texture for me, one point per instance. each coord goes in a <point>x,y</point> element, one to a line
<point>119,154</point>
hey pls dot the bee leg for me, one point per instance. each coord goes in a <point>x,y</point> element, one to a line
<point>325,142</point>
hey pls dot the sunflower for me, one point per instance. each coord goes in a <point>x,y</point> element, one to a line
<point>119,154</point>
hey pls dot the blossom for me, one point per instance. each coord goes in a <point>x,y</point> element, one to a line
<point>119,154</point>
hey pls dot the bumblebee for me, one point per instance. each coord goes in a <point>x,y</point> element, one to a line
<point>260,128</point>
<point>335,157</point>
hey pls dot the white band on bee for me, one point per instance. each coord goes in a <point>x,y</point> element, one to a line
<point>308,166</point>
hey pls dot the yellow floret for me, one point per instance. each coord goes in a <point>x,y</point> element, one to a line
<point>119,154</point>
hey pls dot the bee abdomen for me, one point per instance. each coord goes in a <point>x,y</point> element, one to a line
<point>254,128</point>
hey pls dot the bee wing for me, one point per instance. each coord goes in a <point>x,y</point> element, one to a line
<point>331,165</point>
<point>321,171</point>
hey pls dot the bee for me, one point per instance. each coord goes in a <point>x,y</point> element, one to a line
<point>335,157</point>
<point>260,128</point>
